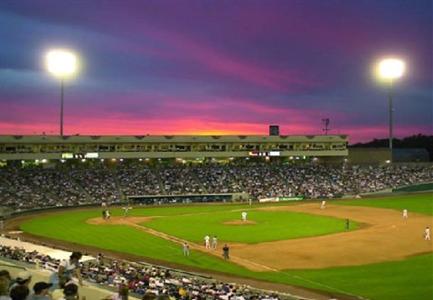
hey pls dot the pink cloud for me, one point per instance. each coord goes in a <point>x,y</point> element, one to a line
<point>181,115</point>
<point>188,49</point>
<point>118,125</point>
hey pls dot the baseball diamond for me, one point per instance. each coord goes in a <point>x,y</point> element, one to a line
<point>310,243</point>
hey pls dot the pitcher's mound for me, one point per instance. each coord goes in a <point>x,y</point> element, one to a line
<point>239,222</point>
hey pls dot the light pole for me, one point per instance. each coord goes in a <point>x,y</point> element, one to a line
<point>62,64</point>
<point>390,69</point>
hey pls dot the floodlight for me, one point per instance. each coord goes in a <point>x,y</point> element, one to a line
<point>391,68</point>
<point>61,63</point>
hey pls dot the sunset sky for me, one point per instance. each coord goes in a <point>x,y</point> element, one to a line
<point>216,67</point>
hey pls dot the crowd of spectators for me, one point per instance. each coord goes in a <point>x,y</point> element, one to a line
<point>145,281</point>
<point>98,182</point>
<point>65,185</point>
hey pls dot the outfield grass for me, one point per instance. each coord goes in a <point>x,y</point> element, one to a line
<point>419,203</point>
<point>411,279</point>
<point>400,280</point>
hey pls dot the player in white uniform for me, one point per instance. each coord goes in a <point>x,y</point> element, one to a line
<point>126,210</point>
<point>323,205</point>
<point>214,242</point>
<point>244,216</point>
<point>185,248</point>
<point>427,234</point>
<point>405,215</point>
<point>207,242</point>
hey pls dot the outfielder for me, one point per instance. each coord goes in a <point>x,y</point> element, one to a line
<point>244,216</point>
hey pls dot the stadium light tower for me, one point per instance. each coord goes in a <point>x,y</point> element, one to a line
<point>390,69</point>
<point>62,64</point>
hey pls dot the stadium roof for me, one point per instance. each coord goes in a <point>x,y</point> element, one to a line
<point>17,139</point>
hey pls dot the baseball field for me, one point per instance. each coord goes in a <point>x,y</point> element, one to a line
<point>380,256</point>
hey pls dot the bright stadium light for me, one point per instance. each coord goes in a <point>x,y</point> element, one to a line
<point>390,69</point>
<point>62,64</point>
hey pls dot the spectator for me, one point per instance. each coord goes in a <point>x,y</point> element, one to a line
<point>70,292</point>
<point>149,296</point>
<point>5,280</point>
<point>148,281</point>
<point>122,294</point>
<point>34,187</point>
<point>41,291</point>
<point>23,278</point>
<point>19,292</point>
<point>65,271</point>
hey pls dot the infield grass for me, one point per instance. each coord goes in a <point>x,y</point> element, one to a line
<point>121,238</point>
<point>270,226</point>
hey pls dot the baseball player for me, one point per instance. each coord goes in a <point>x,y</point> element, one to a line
<point>126,210</point>
<point>185,248</point>
<point>214,242</point>
<point>427,234</point>
<point>104,210</point>
<point>323,205</point>
<point>207,242</point>
<point>244,216</point>
<point>405,215</point>
<point>226,250</point>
